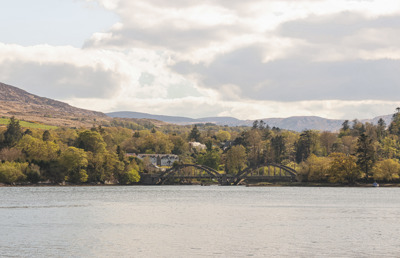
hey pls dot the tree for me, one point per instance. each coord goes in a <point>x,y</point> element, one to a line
<point>46,136</point>
<point>120,153</point>
<point>223,136</point>
<point>12,172</point>
<point>381,129</point>
<point>394,127</point>
<point>211,159</point>
<point>349,144</point>
<point>235,159</point>
<point>278,147</point>
<point>254,146</point>
<point>365,153</point>
<point>13,133</point>
<point>343,168</point>
<point>345,125</point>
<point>261,125</point>
<point>180,145</point>
<point>327,140</point>
<point>358,128</point>
<point>306,145</point>
<point>255,124</point>
<point>74,162</point>
<point>11,154</point>
<point>91,141</point>
<point>389,147</point>
<point>104,166</point>
<point>315,169</point>
<point>386,170</point>
<point>130,174</point>
<point>129,177</point>
<point>345,130</point>
<point>195,134</point>
<point>38,150</point>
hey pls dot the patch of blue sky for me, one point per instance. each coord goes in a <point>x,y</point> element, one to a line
<point>52,22</point>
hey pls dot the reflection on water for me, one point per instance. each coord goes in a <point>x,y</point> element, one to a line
<point>192,221</point>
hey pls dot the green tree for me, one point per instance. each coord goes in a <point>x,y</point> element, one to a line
<point>345,130</point>
<point>254,146</point>
<point>195,134</point>
<point>46,136</point>
<point>365,153</point>
<point>394,127</point>
<point>358,128</point>
<point>315,169</point>
<point>389,147</point>
<point>12,172</point>
<point>180,145</point>
<point>38,150</point>
<point>223,136</point>
<point>74,162</point>
<point>236,159</point>
<point>120,153</point>
<point>278,147</point>
<point>381,129</point>
<point>386,170</point>
<point>255,124</point>
<point>33,174</point>
<point>91,141</point>
<point>343,168</point>
<point>306,145</point>
<point>211,159</point>
<point>129,177</point>
<point>13,133</point>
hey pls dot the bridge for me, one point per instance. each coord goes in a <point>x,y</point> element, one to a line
<point>269,172</point>
<point>184,173</point>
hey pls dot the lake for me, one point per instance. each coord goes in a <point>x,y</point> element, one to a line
<point>199,221</point>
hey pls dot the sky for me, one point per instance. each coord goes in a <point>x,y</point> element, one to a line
<point>251,59</point>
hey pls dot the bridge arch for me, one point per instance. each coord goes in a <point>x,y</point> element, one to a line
<point>172,172</point>
<point>288,172</point>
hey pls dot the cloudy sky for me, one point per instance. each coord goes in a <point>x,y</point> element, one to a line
<point>247,59</point>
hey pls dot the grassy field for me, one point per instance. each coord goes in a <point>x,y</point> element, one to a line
<point>25,124</point>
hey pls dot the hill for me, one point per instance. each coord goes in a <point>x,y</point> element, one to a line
<point>295,123</point>
<point>26,106</point>
<point>29,107</point>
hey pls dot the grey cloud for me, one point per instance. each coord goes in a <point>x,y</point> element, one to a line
<point>223,3</point>
<point>333,28</point>
<point>166,36</point>
<point>60,81</point>
<point>190,3</point>
<point>296,79</point>
<point>169,35</point>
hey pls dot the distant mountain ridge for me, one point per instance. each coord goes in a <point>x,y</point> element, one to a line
<point>295,123</point>
<point>24,105</point>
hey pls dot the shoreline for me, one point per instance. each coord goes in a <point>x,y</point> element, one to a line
<point>266,184</point>
<point>300,184</point>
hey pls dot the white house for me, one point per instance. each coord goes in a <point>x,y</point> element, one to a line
<point>197,145</point>
<point>160,159</point>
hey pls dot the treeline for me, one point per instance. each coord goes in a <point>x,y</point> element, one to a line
<point>357,153</point>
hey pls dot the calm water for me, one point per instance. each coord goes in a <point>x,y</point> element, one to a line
<point>196,221</point>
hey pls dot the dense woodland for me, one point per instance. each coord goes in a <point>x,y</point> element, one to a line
<point>357,153</point>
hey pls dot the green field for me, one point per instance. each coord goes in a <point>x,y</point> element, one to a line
<point>24,124</point>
